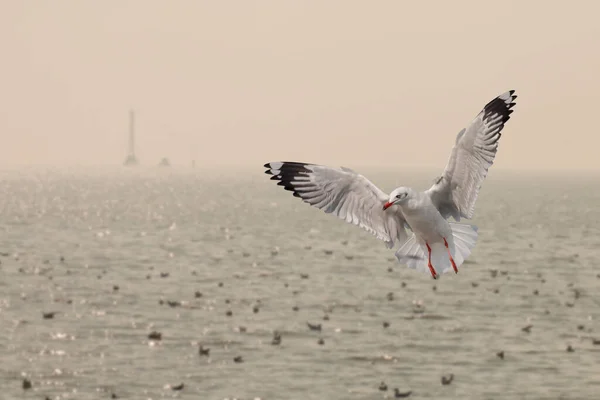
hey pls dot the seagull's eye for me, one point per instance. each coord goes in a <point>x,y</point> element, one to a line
<point>397,196</point>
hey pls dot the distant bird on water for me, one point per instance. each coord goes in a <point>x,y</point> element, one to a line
<point>203,351</point>
<point>446,380</point>
<point>435,245</point>
<point>399,395</point>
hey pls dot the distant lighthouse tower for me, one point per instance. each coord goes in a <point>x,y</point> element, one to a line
<point>131,159</point>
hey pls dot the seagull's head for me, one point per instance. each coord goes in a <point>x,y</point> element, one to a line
<point>398,196</point>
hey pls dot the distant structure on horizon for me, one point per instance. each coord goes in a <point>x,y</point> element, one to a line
<point>131,159</point>
<point>164,162</point>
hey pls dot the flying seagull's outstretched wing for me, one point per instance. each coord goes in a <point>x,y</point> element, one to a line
<point>344,193</point>
<point>455,192</point>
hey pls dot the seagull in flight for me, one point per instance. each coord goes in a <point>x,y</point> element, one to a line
<point>434,244</point>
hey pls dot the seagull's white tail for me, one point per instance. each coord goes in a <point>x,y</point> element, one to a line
<point>413,252</point>
<point>465,238</point>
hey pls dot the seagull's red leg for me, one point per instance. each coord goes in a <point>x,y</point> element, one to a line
<point>431,269</point>
<point>450,255</point>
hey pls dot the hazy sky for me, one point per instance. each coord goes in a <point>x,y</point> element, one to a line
<point>351,83</point>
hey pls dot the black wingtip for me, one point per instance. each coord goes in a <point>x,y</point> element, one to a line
<point>286,173</point>
<point>269,168</point>
<point>501,105</point>
<point>512,99</point>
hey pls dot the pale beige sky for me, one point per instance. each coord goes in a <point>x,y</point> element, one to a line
<point>343,82</point>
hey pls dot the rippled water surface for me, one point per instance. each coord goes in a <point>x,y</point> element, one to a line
<point>176,251</point>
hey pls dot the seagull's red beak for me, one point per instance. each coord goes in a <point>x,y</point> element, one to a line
<point>387,205</point>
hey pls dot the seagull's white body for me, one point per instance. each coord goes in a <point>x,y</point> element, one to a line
<point>423,217</point>
<point>436,245</point>
<point>431,233</point>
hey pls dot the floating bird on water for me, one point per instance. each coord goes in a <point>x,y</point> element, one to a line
<point>446,380</point>
<point>314,327</point>
<point>154,335</point>
<point>178,387</point>
<point>398,394</point>
<point>527,328</point>
<point>276,339</point>
<point>203,351</point>
<point>436,245</point>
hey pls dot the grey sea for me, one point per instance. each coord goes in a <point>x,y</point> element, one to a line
<point>94,261</point>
